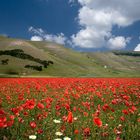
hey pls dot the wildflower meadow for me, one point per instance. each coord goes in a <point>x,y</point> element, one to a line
<point>70,108</point>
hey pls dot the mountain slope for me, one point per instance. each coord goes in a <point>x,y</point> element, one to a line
<point>66,62</point>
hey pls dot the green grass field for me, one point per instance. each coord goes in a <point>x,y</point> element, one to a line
<point>67,62</point>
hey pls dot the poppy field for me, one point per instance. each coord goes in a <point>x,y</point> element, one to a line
<point>70,108</point>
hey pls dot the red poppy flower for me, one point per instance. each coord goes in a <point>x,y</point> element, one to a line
<point>39,131</point>
<point>97,122</point>
<point>10,123</point>
<point>30,104</point>
<point>2,112</point>
<point>70,117</point>
<point>134,108</point>
<point>86,132</point>
<point>122,118</point>
<point>40,106</point>
<point>33,124</point>
<point>76,131</point>
<point>3,122</point>
<point>125,112</point>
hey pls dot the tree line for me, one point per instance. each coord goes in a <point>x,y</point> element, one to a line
<point>22,55</point>
<point>128,53</point>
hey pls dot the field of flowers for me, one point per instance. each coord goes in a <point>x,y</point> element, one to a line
<point>70,109</point>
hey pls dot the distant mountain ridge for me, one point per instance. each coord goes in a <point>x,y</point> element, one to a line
<point>64,62</point>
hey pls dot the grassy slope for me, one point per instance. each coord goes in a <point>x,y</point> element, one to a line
<point>67,62</point>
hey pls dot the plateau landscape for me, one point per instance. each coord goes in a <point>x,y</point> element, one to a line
<point>24,55</point>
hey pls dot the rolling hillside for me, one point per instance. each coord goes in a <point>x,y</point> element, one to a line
<point>23,56</point>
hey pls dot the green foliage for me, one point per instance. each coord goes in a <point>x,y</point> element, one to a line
<point>129,53</point>
<point>20,54</point>
<point>38,68</point>
<point>5,62</point>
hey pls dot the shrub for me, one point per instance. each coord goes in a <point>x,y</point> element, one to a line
<point>5,62</point>
<point>38,68</point>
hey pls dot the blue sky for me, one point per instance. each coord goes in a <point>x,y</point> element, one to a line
<point>86,25</point>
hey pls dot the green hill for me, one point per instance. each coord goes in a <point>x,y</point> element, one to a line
<point>23,58</point>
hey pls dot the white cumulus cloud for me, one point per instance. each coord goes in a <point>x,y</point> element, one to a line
<point>40,35</point>
<point>137,48</point>
<point>97,18</point>
<point>60,38</point>
<point>36,38</point>
<point>37,31</point>
<point>118,42</point>
<point>87,38</point>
